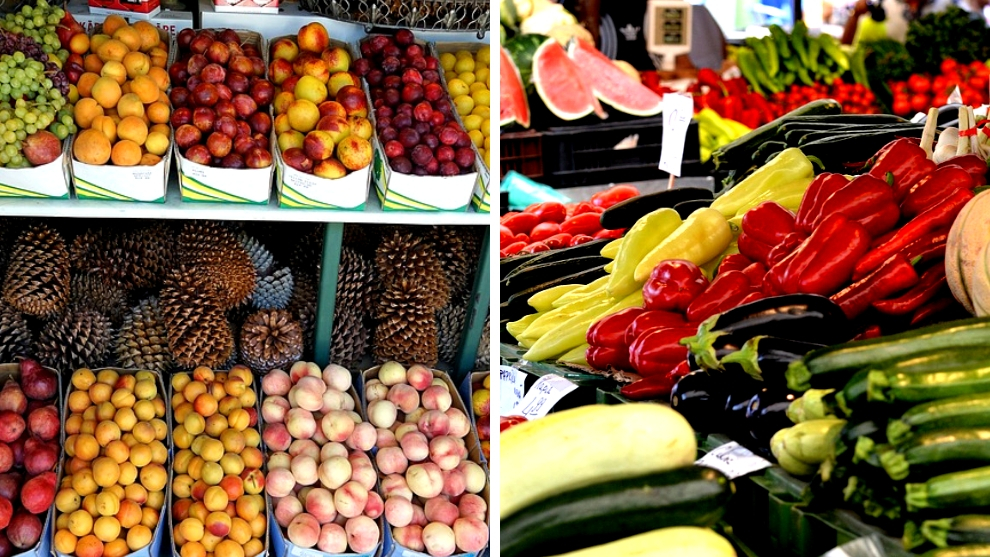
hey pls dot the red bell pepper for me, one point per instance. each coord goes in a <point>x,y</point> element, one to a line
<point>543,231</point>
<point>755,272</point>
<point>583,208</point>
<point>583,223</point>
<point>866,200</point>
<point>673,285</point>
<point>604,357</point>
<point>754,249</point>
<point>785,248</point>
<point>823,262</point>
<point>650,388</point>
<point>734,262</point>
<point>680,370</point>
<point>658,351</point>
<point>894,275</point>
<point>934,188</point>
<point>937,217</point>
<point>558,241</point>
<point>752,297</point>
<point>579,239</point>
<point>520,223</point>
<point>610,331</point>
<point>769,222</point>
<point>971,163</point>
<point>548,211</point>
<point>613,195</point>
<point>906,161</point>
<point>536,247</point>
<point>650,320</point>
<point>609,234</point>
<point>512,249</point>
<point>928,248</point>
<point>707,76</point>
<point>723,293</point>
<point>821,188</point>
<point>732,108</point>
<point>932,281</point>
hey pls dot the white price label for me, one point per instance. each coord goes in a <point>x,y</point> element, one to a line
<point>543,395</point>
<point>677,112</point>
<point>733,460</point>
<point>512,387</point>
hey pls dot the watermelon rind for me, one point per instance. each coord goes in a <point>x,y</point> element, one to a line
<point>513,104</point>
<point>611,85</point>
<point>522,48</point>
<point>576,89</point>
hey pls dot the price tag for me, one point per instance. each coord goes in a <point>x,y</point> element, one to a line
<point>733,460</point>
<point>543,395</point>
<point>677,112</point>
<point>918,117</point>
<point>512,386</point>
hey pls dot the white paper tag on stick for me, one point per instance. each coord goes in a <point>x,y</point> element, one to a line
<point>677,113</point>
<point>733,460</point>
<point>512,387</point>
<point>543,395</point>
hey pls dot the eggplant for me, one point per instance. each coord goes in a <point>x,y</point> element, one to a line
<point>723,346</point>
<point>685,208</point>
<point>765,358</point>
<point>701,398</point>
<point>767,413</point>
<point>741,391</point>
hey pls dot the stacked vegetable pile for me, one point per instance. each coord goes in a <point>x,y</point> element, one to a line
<point>626,494</point>
<point>920,91</point>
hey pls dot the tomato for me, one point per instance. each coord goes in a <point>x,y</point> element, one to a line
<point>585,207</point>
<point>521,223</point>
<point>548,211</point>
<point>512,249</point>
<point>609,234</point>
<point>919,84</point>
<point>505,422</point>
<point>558,241</point>
<point>920,103</point>
<point>940,101</point>
<point>536,247</point>
<point>521,238</point>
<point>978,82</point>
<point>585,223</point>
<point>504,235</point>
<point>579,239</point>
<point>901,107</point>
<point>543,231</point>
<point>613,195</point>
<point>948,65</point>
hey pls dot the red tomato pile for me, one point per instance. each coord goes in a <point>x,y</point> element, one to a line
<point>920,92</point>
<point>552,225</point>
<point>854,97</point>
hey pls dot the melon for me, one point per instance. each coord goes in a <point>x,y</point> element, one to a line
<point>968,237</point>
<point>611,84</point>
<point>559,83</point>
<point>513,105</point>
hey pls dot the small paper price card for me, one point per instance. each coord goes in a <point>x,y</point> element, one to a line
<point>677,112</point>
<point>543,395</point>
<point>512,386</point>
<point>733,460</point>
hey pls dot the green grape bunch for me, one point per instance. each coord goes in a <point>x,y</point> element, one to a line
<point>39,22</point>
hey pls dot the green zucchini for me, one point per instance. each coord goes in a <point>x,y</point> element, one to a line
<point>961,411</point>
<point>593,247</point>
<point>959,530</point>
<point>850,119</point>
<point>830,367</point>
<point>974,550</point>
<point>604,512</point>
<point>853,395</point>
<point>931,376</point>
<point>958,447</point>
<point>533,275</point>
<point>969,489</point>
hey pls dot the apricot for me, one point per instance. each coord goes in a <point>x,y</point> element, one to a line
<point>159,453</point>
<point>240,530</point>
<point>112,23</point>
<point>193,389</point>
<point>85,88</point>
<point>137,493</point>
<point>107,504</point>
<point>192,549</point>
<point>158,112</point>
<point>107,432</point>
<point>140,455</point>
<point>116,71</point>
<point>65,541</point>
<point>156,144</point>
<point>229,548</point>
<point>86,447</point>
<point>80,523</point>
<point>128,36</point>
<point>115,548</point>
<point>138,536</point>
<point>106,91</point>
<point>126,153</point>
<point>89,546</point>
<point>143,431</point>
<point>160,77</point>
<point>154,477</point>
<point>253,548</point>
<point>149,514</point>
<point>137,64</point>
<point>129,514</point>
<point>91,147</point>
<point>191,529</point>
<point>130,105</point>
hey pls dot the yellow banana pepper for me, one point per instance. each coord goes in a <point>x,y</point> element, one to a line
<point>515,328</point>
<point>575,356</point>
<point>647,233</point>
<point>611,249</point>
<point>578,293</point>
<point>543,301</point>
<point>789,166</point>
<point>701,238</point>
<point>566,336</point>
<point>551,319</point>
<point>609,266</point>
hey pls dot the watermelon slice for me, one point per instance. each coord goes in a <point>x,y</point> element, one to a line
<point>559,83</point>
<point>612,85</point>
<point>512,105</point>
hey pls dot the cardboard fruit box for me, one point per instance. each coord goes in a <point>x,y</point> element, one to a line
<point>140,9</point>
<point>47,181</point>
<point>199,183</point>
<point>300,190</point>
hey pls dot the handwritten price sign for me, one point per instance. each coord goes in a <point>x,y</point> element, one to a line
<point>543,395</point>
<point>677,113</point>
<point>733,460</point>
<point>512,386</point>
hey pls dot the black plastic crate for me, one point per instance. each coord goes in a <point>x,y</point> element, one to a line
<point>586,155</point>
<point>522,152</point>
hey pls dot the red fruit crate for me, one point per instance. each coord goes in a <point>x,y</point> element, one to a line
<point>522,152</point>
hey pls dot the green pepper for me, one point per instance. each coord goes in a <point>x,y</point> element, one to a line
<point>773,58</point>
<point>783,44</point>
<point>749,66</point>
<point>834,51</point>
<point>799,36</point>
<point>814,48</point>
<point>786,168</point>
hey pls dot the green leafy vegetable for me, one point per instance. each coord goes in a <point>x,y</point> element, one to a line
<point>952,33</point>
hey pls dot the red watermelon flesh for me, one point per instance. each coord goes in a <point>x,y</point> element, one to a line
<point>559,83</point>
<point>513,105</point>
<point>610,84</point>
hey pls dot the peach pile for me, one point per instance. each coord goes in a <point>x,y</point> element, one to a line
<point>481,404</point>
<point>321,110</point>
<point>123,111</point>
<point>218,504</point>
<point>430,488</point>
<point>116,470</point>
<point>29,449</point>
<point>320,478</point>
<point>221,100</point>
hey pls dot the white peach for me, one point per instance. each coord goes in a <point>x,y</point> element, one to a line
<point>280,482</point>
<point>454,483</point>
<point>472,506</point>
<point>404,397</point>
<point>394,486</point>
<point>382,413</point>
<point>276,383</point>
<point>279,459</point>
<point>304,369</point>
<point>274,409</point>
<point>410,537</point>
<point>363,437</point>
<point>470,534</point>
<point>362,534</point>
<point>415,446</point>
<point>398,511</point>
<point>332,449</point>
<point>391,460</point>
<point>286,509</point>
<point>425,479</point>
<point>305,447</point>
<point>440,510</point>
<point>392,373</point>
<point>319,503</point>
<point>300,423</point>
<point>376,391</point>
<point>337,377</point>
<point>419,376</point>
<point>434,423</point>
<point>350,499</point>
<point>439,539</point>
<point>337,425</point>
<point>436,398</point>
<point>460,424</point>
<point>335,472</point>
<point>375,506</point>
<point>475,478</point>
<point>333,539</point>
<point>309,393</point>
<point>304,530</point>
<point>445,452</point>
<point>304,470</point>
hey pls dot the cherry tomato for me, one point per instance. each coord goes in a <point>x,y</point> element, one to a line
<point>504,235</point>
<point>505,422</point>
<point>582,223</point>
<point>920,103</point>
<point>901,107</point>
<point>536,247</point>
<point>613,195</point>
<point>543,231</point>
<point>521,223</point>
<point>548,211</point>
<point>512,249</point>
<point>948,65</point>
<point>579,239</point>
<point>558,241</point>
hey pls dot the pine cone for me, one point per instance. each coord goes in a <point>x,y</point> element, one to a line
<point>261,258</point>
<point>135,258</point>
<point>75,339</point>
<point>142,342</point>
<point>355,281</point>
<point>198,331</point>
<point>403,255</point>
<point>37,281</point>
<point>225,265</point>
<point>450,327</point>
<point>351,338</point>
<point>458,264</point>
<point>484,357</point>
<point>15,334</point>
<point>407,329</point>
<point>270,339</point>
<point>273,291</point>
<point>90,292</point>
<point>302,306</point>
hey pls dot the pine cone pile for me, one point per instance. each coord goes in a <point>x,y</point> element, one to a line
<point>450,326</point>
<point>75,339</point>
<point>37,279</point>
<point>458,254</point>
<point>15,334</point>
<point>90,292</point>
<point>407,328</point>
<point>274,291</point>
<point>142,341</point>
<point>224,265</point>
<point>198,330</point>
<point>355,289</point>
<point>484,357</point>
<point>270,339</point>
<point>132,258</point>
<point>302,306</point>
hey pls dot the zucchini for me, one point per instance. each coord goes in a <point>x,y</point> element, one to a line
<point>676,541</point>
<point>962,411</point>
<point>593,247</point>
<point>533,275</point>
<point>517,304</point>
<point>931,375</point>
<point>956,448</point>
<point>509,264</point>
<point>832,366</point>
<point>850,119</point>
<point>960,530</point>
<point>552,455</point>
<point>605,512</point>
<point>853,395</point>
<point>973,550</point>
<point>969,489</point>
<point>625,213</point>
